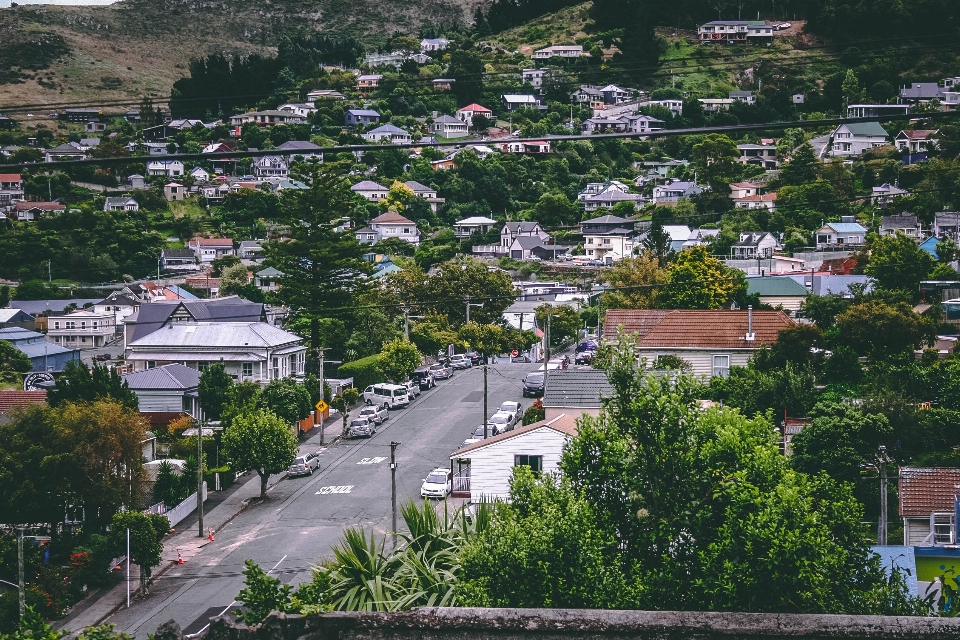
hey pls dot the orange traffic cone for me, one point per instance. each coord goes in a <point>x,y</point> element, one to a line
<point>179,557</point>
<point>210,535</point>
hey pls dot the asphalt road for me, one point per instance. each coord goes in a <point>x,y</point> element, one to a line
<point>304,517</point>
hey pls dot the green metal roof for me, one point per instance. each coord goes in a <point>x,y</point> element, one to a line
<point>775,286</point>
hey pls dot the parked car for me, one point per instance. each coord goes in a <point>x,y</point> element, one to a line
<point>468,442</point>
<point>520,358</point>
<point>304,465</point>
<point>441,371</point>
<point>375,414</point>
<point>587,345</point>
<point>424,377</point>
<point>102,357</point>
<point>388,396</point>
<point>437,484</point>
<point>361,428</point>
<point>513,407</point>
<point>533,384</point>
<point>584,357</point>
<point>460,361</point>
<point>413,388</point>
<point>502,421</point>
<point>491,430</point>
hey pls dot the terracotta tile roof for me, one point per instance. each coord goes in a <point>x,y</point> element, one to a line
<point>688,328</point>
<point>564,423</point>
<point>10,177</point>
<point>211,242</point>
<point>13,399</point>
<point>22,205</point>
<point>924,490</point>
<point>391,217</point>
<point>918,134</point>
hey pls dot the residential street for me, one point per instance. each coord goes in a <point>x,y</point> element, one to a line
<point>304,516</point>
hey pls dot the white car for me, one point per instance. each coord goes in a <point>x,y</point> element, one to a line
<point>304,465</point>
<point>361,428</point>
<point>460,361</point>
<point>374,414</point>
<point>512,407</point>
<point>502,421</point>
<point>413,387</point>
<point>437,484</point>
<point>491,430</point>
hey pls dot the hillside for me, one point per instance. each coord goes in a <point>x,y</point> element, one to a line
<point>134,47</point>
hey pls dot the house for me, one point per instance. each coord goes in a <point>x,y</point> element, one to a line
<point>886,193</point>
<point>302,109</point>
<point>760,155</point>
<point>12,318</point>
<point>355,117</point>
<point>43,355</point>
<point>778,291</point>
<point>250,351</point>
<point>907,224</point>
<point>595,188</point>
<point>713,105</point>
<point>675,189</point>
<point>250,250</point>
<point>121,203</point>
<point>122,304</point>
<point>482,470</point>
<point>877,110</point>
<point>174,191</point>
<point>443,84</point>
<point>270,167</point>
<point>730,31</point>
<point>754,244</point>
<point>81,329</point>
<point>223,164</point>
<point>468,112</point>
<point>366,235</point>
<point>448,127</point>
<point>624,123</point>
<point>513,230</point>
<point>608,199</point>
<point>368,81</point>
<point>266,118</point>
<point>209,249</point>
<point>798,98</point>
<point>268,279</point>
<point>679,235</point>
<point>82,115</point>
<point>137,181</point>
<point>474,225</point>
<point>370,190</point>
<point>169,168</point>
<point>921,93</point>
<point>388,133</point>
<point>29,211</point>
<point>180,260</point>
<point>760,201</point>
<point>512,102</point>
<point>433,44</point>
<point>427,193</point>
<point>64,152</point>
<point>746,97</point>
<point>855,138</point>
<point>166,392</point>
<point>608,238</point>
<point>928,500</point>
<point>568,51</point>
<point>531,147</point>
<point>200,175</point>
<point>598,97</point>
<point>324,94</point>
<point>575,392</point>
<point>743,189</point>
<point>917,140</point>
<point>162,313</point>
<point>946,225</point>
<point>302,148</point>
<point>445,163</point>
<point>533,77</point>
<point>393,225</point>
<point>846,233</point>
<point>710,341</point>
<point>675,106</point>
<point>11,190</point>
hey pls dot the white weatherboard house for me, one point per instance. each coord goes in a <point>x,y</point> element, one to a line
<point>482,470</point>
<point>855,138</point>
<point>250,351</point>
<point>169,389</point>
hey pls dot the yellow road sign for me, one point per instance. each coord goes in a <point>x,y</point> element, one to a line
<point>321,406</point>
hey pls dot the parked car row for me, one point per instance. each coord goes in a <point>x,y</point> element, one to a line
<point>507,416</point>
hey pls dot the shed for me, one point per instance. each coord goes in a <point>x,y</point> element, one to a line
<point>780,291</point>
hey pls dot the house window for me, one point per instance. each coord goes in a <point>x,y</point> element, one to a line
<point>56,325</point>
<point>721,366</point>
<point>534,462</point>
<point>247,369</point>
<point>203,366</point>
<point>70,325</point>
<point>151,364</point>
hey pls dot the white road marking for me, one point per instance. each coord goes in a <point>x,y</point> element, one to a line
<point>376,460</point>
<point>227,608</point>
<point>344,488</point>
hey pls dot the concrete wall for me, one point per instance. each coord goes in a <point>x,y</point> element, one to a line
<point>526,624</point>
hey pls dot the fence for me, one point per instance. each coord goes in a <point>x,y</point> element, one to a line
<point>177,514</point>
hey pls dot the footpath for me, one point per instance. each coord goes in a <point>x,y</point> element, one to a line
<point>186,541</point>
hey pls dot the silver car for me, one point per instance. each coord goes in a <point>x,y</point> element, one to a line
<point>361,428</point>
<point>304,465</point>
<point>460,361</point>
<point>373,414</point>
<point>441,371</point>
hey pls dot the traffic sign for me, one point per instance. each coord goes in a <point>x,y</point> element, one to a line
<point>514,353</point>
<point>321,406</point>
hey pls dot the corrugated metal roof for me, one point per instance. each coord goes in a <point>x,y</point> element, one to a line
<point>781,286</point>
<point>217,334</point>
<point>688,328</point>
<point>566,424</point>
<point>847,227</point>
<point>576,388</point>
<point>169,376</point>
<point>924,490</point>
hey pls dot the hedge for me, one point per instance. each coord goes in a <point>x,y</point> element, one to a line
<point>365,371</point>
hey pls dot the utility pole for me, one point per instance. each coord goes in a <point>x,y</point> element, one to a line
<point>200,477</point>
<point>469,304</point>
<point>406,322</point>
<point>882,460</point>
<point>20,583</point>
<point>128,567</point>
<point>485,425</point>
<point>393,488</point>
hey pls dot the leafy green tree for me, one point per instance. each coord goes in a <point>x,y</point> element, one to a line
<point>838,440</point>
<point>146,540</point>
<point>799,344</point>
<point>77,383</point>
<point>823,310</point>
<point>322,266</point>
<point>486,339</point>
<point>463,280</point>
<point>897,263</point>
<point>850,89</point>
<point>634,282</point>
<point>262,442</point>
<point>4,296</point>
<point>879,330</point>
<point>697,280</point>
<point>716,158</point>
<point>399,359</point>
<point>168,487</point>
<point>947,251</point>
<point>344,402</point>
<point>261,594</point>
<point>753,390</point>
<point>564,322</point>
<point>803,167</point>
<point>657,241</point>
<point>234,280</point>
<point>214,390</point>
<point>534,413</point>
<point>286,399</point>
<point>555,209</point>
<point>13,362</point>
<point>221,264</point>
<point>467,69</point>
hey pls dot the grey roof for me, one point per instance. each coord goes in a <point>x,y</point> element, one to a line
<point>218,334</point>
<point>388,128</point>
<point>42,348</point>
<point>229,309</point>
<point>170,376</point>
<point>521,227</point>
<point>363,112</point>
<point>446,118</point>
<point>118,297</point>
<point>121,200</point>
<point>179,253</point>
<point>528,242</point>
<point>922,91</point>
<point>417,187</point>
<point>270,272</point>
<point>823,285</point>
<point>368,185</point>
<point>610,196</point>
<point>34,307</point>
<point>899,221</point>
<point>607,220</point>
<point>299,145</point>
<point>576,388</point>
<point>16,334</point>
<point>9,315</point>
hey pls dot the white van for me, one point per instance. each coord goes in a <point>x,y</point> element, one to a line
<point>389,396</point>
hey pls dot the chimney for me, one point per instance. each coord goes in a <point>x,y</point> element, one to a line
<point>750,335</point>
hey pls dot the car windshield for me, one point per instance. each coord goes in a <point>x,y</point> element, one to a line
<point>358,422</point>
<point>299,461</point>
<point>479,432</point>
<point>437,478</point>
<point>436,367</point>
<point>367,411</point>
<point>535,378</point>
<point>499,419</point>
<point>508,407</point>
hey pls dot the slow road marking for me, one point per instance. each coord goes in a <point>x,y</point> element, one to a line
<point>376,460</point>
<point>343,488</point>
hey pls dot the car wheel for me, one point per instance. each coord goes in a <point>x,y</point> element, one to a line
<point>310,472</point>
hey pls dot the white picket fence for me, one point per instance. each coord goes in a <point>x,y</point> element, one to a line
<point>177,514</point>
